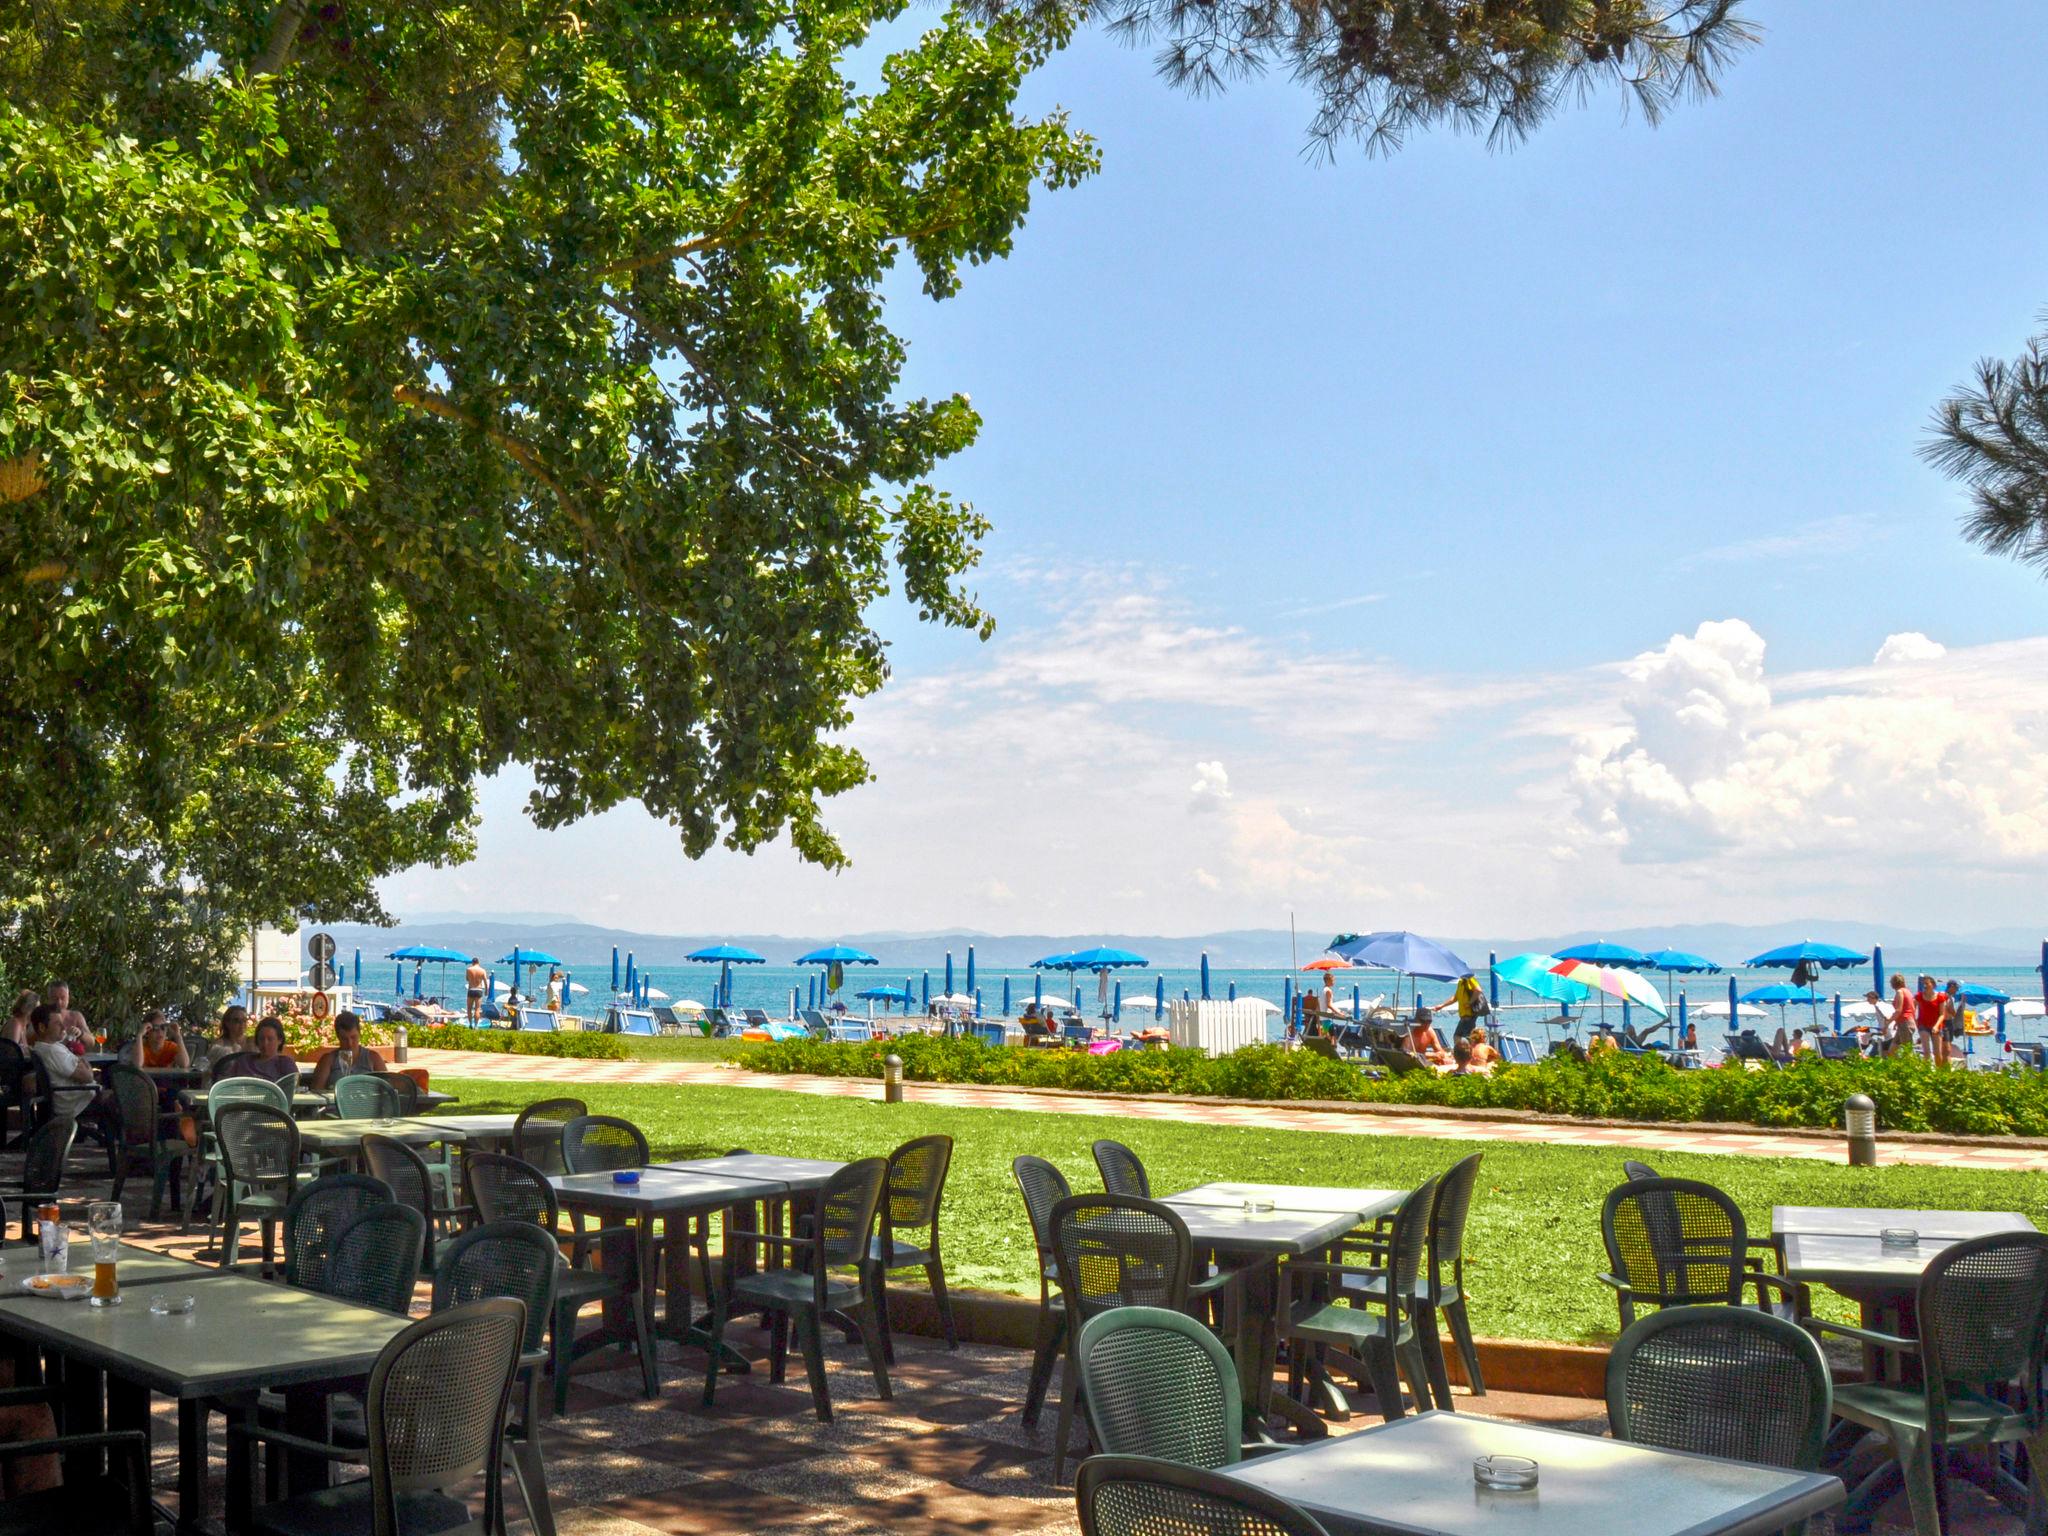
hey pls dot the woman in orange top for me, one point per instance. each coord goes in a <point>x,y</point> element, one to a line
<point>157,1048</point>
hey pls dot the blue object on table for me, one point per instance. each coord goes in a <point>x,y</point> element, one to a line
<point>626,1176</point>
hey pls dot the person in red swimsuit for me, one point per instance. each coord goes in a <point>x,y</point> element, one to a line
<point>1930,1014</point>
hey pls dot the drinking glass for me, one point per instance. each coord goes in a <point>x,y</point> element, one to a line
<point>103,1222</point>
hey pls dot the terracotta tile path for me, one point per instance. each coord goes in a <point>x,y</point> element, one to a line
<point>478,1064</point>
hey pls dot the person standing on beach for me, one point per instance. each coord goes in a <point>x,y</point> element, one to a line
<point>1930,1009</point>
<point>554,991</point>
<point>1472,1006</point>
<point>474,978</point>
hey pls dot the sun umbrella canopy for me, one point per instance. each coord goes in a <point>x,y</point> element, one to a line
<point>837,954</point>
<point>654,994</point>
<point>1680,960</point>
<point>1614,981</point>
<point>1538,973</point>
<point>729,954</point>
<point>884,995</point>
<point>1049,963</point>
<point>953,1000</point>
<point>1409,953</point>
<point>1977,992</point>
<point>1779,993</point>
<point>1829,957</point>
<point>529,957</point>
<point>1328,963</point>
<point>1718,1009</point>
<point>428,952</point>
<point>1604,953</point>
<point>1099,959</point>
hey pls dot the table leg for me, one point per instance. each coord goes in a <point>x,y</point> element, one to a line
<point>647,1267</point>
<point>306,1414</point>
<point>240,1413</point>
<point>81,1405</point>
<point>191,1463</point>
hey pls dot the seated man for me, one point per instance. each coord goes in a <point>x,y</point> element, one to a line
<point>349,1056</point>
<point>1421,1040</point>
<point>73,1090</point>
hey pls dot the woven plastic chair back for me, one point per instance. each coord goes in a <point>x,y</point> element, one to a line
<point>245,1090</point>
<point>365,1097</point>
<point>1721,1381</point>
<point>602,1144</point>
<point>1675,1242</point>
<point>1119,1251</point>
<point>1044,1187</point>
<point>1632,1169</point>
<point>403,1169</point>
<point>509,1189</point>
<point>1408,1245</point>
<point>1159,1383</point>
<point>407,1091</point>
<point>44,1153</point>
<point>1142,1496</point>
<point>259,1147</point>
<point>1983,1307</point>
<point>542,1146</point>
<point>232,1065</point>
<point>1454,1191</point>
<point>917,1178</point>
<point>436,1406</point>
<point>374,1261</point>
<point>846,1211</point>
<point>316,1214</point>
<point>135,1095</point>
<point>1122,1173</point>
<point>513,1259</point>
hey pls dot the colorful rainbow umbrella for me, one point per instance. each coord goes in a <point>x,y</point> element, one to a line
<point>1614,982</point>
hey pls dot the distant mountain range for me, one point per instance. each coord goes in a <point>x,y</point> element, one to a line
<point>584,944</point>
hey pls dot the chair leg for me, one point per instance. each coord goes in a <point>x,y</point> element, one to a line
<point>878,1290</point>
<point>1432,1350</point>
<point>1916,1461</point>
<point>1044,1356</point>
<point>714,1347</point>
<point>874,1334</point>
<point>561,1334</point>
<point>1378,1355</point>
<point>1414,1358</point>
<point>811,1331</point>
<point>1070,1388</point>
<point>1468,1352</point>
<point>778,1347</point>
<point>230,1233</point>
<point>936,1273</point>
<point>527,1470</point>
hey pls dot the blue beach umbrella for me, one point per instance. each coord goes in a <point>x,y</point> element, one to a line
<point>1782,997</point>
<point>949,973</point>
<point>1205,975</point>
<point>837,954</point>
<point>1977,992</point>
<point>1159,998</point>
<point>884,994</point>
<point>1826,957</point>
<point>359,969</point>
<point>398,979</point>
<point>1116,1008</point>
<point>615,967</point>
<point>1006,997</point>
<point>1603,953</point>
<point>925,992</point>
<point>1679,960</point>
<point>1097,959</point>
<point>1038,989</point>
<point>725,957</point>
<point>529,957</point>
<point>1231,994</point>
<point>970,968</point>
<point>1397,950</point>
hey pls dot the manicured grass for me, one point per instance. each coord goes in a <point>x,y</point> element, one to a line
<point>1532,1250</point>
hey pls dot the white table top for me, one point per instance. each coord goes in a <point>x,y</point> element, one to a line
<point>1415,1476</point>
<point>1868,1221</point>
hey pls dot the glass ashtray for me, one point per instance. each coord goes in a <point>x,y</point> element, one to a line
<point>626,1176</point>
<point>1504,1474</point>
<point>170,1303</point>
<point>1254,1205</point>
<point>1899,1237</point>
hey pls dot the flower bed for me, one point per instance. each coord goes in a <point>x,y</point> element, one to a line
<point>1910,1095</point>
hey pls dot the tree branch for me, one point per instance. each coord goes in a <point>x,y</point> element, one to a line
<point>285,22</point>
<point>513,448</point>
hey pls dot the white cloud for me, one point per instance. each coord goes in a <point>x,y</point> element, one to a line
<point>1910,645</point>
<point>1211,787</point>
<point>1839,535</point>
<point>1918,769</point>
<point>1206,881</point>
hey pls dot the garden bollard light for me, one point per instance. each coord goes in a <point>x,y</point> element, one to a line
<point>1859,1117</point>
<point>892,1079</point>
<point>398,1045</point>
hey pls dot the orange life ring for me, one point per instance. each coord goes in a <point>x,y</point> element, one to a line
<point>319,1005</point>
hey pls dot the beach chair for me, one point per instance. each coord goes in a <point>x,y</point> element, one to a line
<point>756,1018</point>
<point>851,1029</point>
<point>722,1024</point>
<point>1038,1032</point>
<point>1748,1047</point>
<point>635,1021</point>
<point>1076,1032</point>
<point>1839,1047</point>
<point>816,1023</point>
<point>536,1021</point>
<point>1517,1051</point>
<point>1398,1061</point>
<point>989,1033</point>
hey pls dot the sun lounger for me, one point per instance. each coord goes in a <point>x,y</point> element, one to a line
<point>989,1033</point>
<point>536,1021</point>
<point>1840,1047</point>
<point>722,1022</point>
<point>851,1029</point>
<point>1747,1047</point>
<point>756,1018</point>
<point>1517,1051</point>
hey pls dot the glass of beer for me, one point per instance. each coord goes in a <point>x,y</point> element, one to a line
<point>103,1221</point>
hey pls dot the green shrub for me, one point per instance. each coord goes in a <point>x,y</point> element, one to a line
<point>518,1042</point>
<point>1910,1094</point>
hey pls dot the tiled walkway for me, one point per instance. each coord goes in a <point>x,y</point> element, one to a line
<point>1829,1149</point>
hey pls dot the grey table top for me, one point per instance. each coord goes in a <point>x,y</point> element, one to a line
<point>478,1127</point>
<point>661,1191</point>
<point>1415,1476</point>
<point>1868,1221</point>
<point>1859,1264</point>
<point>138,1266</point>
<point>1276,1232</point>
<point>1365,1204</point>
<point>795,1175</point>
<point>242,1334</point>
<point>350,1133</point>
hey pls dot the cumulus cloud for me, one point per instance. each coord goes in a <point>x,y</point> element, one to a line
<point>1211,787</point>
<point>1882,763</point>
<point>1909,645</point>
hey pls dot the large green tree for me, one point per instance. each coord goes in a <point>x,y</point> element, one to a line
<point>1992,435</point>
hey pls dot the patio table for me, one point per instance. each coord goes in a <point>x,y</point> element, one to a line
<point>243,1335</point>
<point>1413,1477</point>
<point>1305,1221</point>
<point>1840,1248</point>
<point>663,1194</point>
<point>347,1135</point>
<point>788,1175</point>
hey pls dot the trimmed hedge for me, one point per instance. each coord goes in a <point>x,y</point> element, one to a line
<point>1910,1094</point>
<point>519,1042</point>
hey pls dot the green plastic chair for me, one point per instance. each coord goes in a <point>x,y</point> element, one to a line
<point>1144,1496</point>
<point>223,1092</point>
<point>1721,1381</point>
<point>366,1096</point>
<point>1159,1383</point>
<point>1982,1306</point>
<point>148,1135</point>
<point>1679,1243</point>
<point>1329,1306</point>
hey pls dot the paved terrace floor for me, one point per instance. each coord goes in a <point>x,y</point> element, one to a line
<point>1754,1143</point>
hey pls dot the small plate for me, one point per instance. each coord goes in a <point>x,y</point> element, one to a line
<point>64,1287</point>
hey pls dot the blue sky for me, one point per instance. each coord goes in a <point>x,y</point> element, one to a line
<point>1335,505</point>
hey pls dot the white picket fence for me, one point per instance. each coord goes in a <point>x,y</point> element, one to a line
<point>1216,1027</point>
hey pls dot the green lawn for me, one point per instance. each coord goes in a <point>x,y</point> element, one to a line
<point>678,1048</point>
<point>1532,1250</point>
